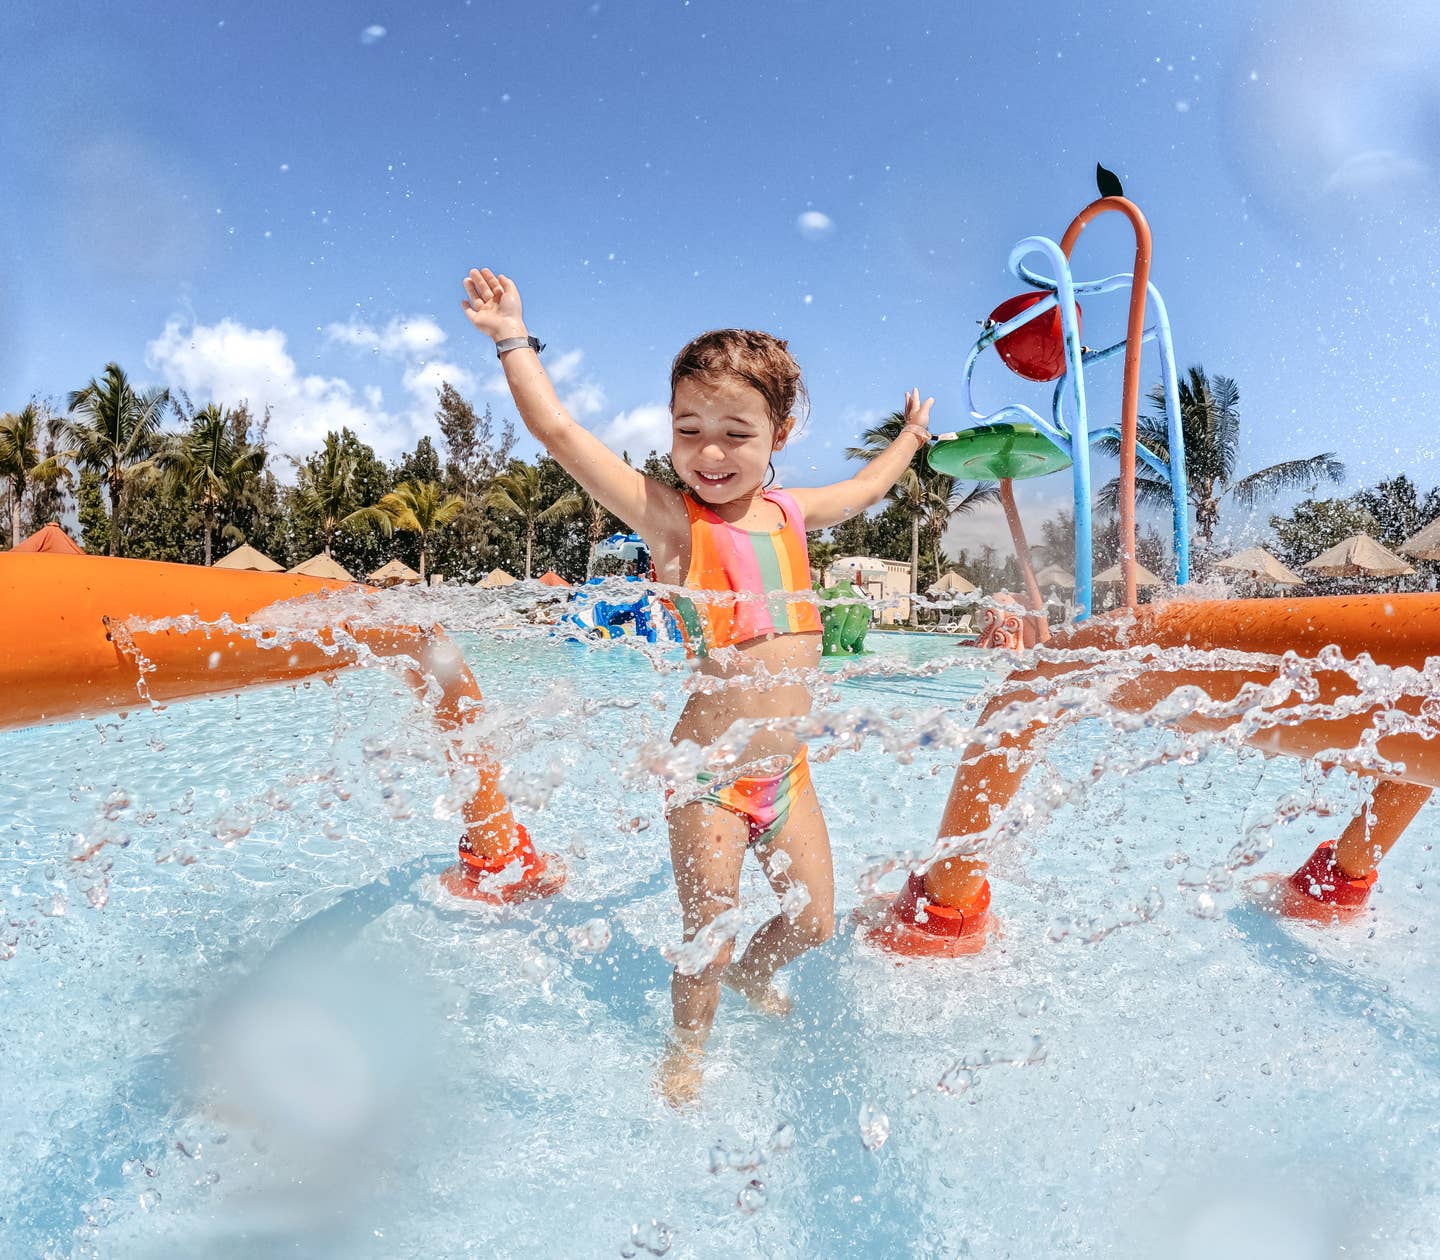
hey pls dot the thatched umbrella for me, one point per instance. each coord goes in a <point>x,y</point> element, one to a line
<point>393,573</point>
<point>1257,563</point>
<point>1055,575</point>
<point>497,577</point>
<point>1358,556</point>
<point>1115,573</point>
<point>246,557</point>
<point>322,566</point>
<point>1426,544</point>
<point>952,583</point>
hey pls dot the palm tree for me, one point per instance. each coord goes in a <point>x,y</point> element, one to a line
<point>115,432</point>
<point>327,495</point>
<point>1210,424</point>
<point>929,498</point>
<point>422,508</point>
<point>946,500</point>
<point>213,463</point>
<point>598,521</point>
<point>22,461</point>
<point>519,493</point>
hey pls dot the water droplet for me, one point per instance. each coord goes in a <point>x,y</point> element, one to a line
<point>656,1238</point>
<point>751,1197</point>
<point>149,1200</point>
<point>874,1126</point>
<point>591,937</point>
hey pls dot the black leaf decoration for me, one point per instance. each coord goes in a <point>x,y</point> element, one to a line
<point>1107,182</point>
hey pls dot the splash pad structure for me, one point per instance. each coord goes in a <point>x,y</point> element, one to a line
<point>1349,682</point>
<point>83,636</point>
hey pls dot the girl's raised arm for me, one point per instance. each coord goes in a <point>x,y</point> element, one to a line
<point>829,505</point>
<point>492,304</point>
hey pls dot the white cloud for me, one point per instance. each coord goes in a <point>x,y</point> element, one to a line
<point>814,224</point>
<point>404,336</point>
<point>423,380</point>
<point>565,367</point>
<point>229,363</point>
<point>638,431</point>
<point>1373,171</point>
<point>586,401</point>
<point>372,34</point>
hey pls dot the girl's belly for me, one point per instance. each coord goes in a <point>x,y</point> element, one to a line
<point>763,679</point>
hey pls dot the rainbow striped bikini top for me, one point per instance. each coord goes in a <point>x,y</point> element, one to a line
<point>766,563</point>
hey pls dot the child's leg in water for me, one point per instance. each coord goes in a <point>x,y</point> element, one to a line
<point>799,857</point>
<point>707,850</point>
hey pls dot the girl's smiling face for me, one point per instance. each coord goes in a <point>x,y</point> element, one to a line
<point>722,437</point>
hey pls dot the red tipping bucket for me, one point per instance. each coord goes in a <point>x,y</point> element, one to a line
<point>1036,351</point>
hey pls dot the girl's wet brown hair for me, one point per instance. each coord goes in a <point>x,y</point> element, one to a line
<point>759,360</point>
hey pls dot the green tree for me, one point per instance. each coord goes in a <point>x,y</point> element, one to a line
<point>474,451</point>
<point>853,537</point>
<point>945,499</point>
<point>115,432</point>
<point>1210,424</point>
<point>521,493</point>
<point>211,466</point>
<point>917,494</point>
<point>1397,508</point>
<point>335,489</point>
<point>90,507</point>
<point>422,508</point>
<point>23,463</point>
<point>420,465</point>
<point>1315,525</point>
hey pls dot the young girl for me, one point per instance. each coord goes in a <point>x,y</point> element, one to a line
<point>754,624</point>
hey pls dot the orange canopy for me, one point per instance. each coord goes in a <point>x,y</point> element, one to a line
<point>551,578</point>
<point>52,540</point>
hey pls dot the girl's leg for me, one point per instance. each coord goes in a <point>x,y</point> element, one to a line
<point>805,864</point>
<point>707,850</point>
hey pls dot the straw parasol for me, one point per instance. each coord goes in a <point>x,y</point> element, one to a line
<point>50,540</point>
<point>246,557</point>
<point>1358,556</point>
<point>1256,562</point>
<point>322,566</point>
<point>392,573</point>
<point>1143,576</point>
<point>1055,575</point>
<point>952,583</point>
<point>1426,544</point>
<point>498,577</point>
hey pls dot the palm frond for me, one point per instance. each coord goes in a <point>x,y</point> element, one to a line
<point>1290,474</point>
<point>567,505</point>
<point>1150,491</point>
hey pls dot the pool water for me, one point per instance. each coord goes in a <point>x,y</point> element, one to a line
<point>252,1024</point>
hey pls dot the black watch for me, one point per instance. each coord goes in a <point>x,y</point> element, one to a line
<point>515,343</point>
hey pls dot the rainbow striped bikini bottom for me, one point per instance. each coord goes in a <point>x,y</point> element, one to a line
<point>762,800</point>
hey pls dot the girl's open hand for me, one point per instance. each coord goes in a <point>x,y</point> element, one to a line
<point>492,304</point>
<point>917,413</point>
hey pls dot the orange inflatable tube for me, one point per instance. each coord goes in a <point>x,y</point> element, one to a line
<point>83,636</point>
<point>1322,715</point>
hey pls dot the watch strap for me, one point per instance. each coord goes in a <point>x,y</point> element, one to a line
<point>516,343</point>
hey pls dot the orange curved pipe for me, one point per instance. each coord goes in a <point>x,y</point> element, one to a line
<point>1130,396</point>
<point>1395,630</point>
<point>67,651</point>
<point>1033,597</point>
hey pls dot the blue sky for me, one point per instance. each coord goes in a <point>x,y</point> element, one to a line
<point>276,201</point>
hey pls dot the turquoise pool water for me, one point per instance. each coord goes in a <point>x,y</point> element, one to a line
<point>253,1025</point>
